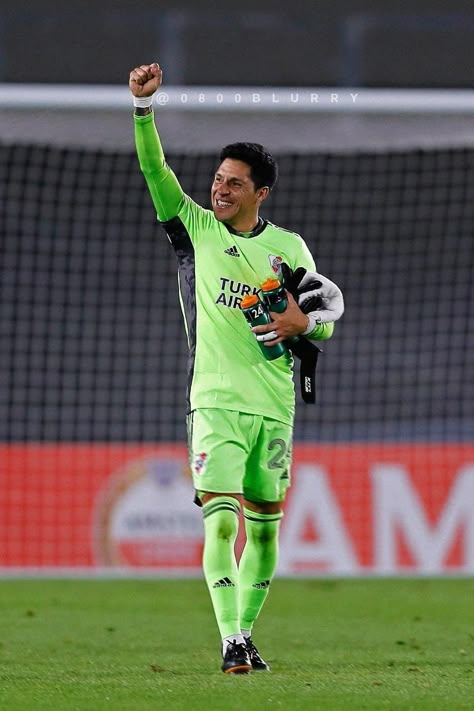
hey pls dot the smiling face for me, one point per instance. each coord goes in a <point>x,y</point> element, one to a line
<point>234,197</point>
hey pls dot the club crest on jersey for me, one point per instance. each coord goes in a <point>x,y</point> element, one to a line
<point>200,461</point>
<point>275,263</point>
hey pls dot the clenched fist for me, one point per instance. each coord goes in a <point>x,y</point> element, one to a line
<point>145,79</point>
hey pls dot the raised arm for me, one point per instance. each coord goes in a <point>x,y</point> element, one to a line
<point>165,190</point>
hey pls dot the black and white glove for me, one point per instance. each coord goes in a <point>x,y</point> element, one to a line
<point>316,295</point>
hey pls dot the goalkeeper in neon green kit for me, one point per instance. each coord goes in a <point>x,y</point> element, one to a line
<point>240,405</point>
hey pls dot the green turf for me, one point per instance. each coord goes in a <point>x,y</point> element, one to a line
<point>145,645</point>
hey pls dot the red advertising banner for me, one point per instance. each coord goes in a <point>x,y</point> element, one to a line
<point>351,509</point>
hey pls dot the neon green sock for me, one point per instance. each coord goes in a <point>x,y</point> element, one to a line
<point>221,524</point>
<point>258,563</point>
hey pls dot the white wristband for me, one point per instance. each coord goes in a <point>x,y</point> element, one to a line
<point>143,102</point>
<point>312,323</point>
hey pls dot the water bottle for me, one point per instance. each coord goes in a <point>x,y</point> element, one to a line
<point>274,295</point>
<point>256,313</point>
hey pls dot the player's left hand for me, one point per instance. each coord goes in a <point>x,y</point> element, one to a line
<point>315,293</point>
<point>291,322</point>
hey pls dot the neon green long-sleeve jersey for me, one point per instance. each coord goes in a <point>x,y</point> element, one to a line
<point>217,266</point>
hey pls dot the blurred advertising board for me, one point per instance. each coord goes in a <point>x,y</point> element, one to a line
<point>352,509</point>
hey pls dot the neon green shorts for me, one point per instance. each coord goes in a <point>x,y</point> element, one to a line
<point>237,453</point>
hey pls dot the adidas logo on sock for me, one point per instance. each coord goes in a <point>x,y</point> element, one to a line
<point>224,583</point>
<point>233,251</point>
<point>261,586</point>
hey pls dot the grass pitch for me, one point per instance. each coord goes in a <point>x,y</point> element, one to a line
<point>350,645</point>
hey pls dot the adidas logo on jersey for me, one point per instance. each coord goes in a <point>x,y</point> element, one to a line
<point>262,586</point>
<point>224,583</point>
<point>233,251</point>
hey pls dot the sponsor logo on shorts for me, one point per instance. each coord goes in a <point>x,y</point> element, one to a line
<point>275,263</point>
<point>307,384</point>
<point>224,583</point>
<point>200,461</point>
<point>262,586</point>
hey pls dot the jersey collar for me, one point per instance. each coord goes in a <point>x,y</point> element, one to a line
<point>259,227</point>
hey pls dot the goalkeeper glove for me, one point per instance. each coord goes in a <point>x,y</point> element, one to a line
<point>316,295</point>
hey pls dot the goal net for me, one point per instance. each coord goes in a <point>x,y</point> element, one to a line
<point>93,351</point>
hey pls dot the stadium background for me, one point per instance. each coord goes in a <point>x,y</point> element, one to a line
<point>93,351</point>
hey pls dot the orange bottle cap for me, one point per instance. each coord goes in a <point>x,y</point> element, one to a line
<point>249,300</point>
<point>270,284</point>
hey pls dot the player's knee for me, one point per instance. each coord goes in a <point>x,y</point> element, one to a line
<point>227,528</point>
<point>221,518</point>
<point>262,528</point>
<point>263,534</point>
<point>268,534</point>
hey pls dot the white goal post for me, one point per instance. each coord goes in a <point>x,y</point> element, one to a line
<point>204,118</point>
<point>243,98</point>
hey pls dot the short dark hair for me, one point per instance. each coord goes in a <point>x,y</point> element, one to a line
<point>263,167</point>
